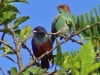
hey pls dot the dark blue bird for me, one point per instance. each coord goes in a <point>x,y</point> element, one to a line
<point>41,43</point>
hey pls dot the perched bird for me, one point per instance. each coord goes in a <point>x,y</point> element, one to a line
<point>41,43</point>
<point>63,23</point>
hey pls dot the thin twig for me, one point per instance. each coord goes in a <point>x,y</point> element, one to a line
<point>8,45</point>
<point>2,38</point>
<point>97,56</point>
<point>65,37</point>
<point>72,35</point>
<point>17,47</point>
<point>23,40</point>
<point>29,50</point>
<point>2,71</point>
<point>73,40</point>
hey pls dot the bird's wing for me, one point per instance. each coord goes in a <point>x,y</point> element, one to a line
<point>70,20</point>
<point>53,24</point>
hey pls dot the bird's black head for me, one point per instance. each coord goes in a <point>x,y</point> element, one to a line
<point>39,31</point>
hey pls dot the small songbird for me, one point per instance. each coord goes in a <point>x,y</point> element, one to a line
<point>63,23</point>
<point>41,43</point>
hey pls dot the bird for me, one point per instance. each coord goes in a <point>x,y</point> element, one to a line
<point>63,22</point>
<point>41,43</point>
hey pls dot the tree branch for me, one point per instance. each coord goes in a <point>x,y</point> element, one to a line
<point>8,45</point>
<point>26,38</point>
<point>2,71</point>
<point>65,37</point>
<point>72,35</point>
<point>29,50</point>
<point>2,38</point>
<point>17,48</point>
<point>73,40</point>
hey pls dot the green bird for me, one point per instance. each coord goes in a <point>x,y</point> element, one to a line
<point>63,23</point>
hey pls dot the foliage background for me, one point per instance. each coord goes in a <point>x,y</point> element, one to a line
<point>42,12</point>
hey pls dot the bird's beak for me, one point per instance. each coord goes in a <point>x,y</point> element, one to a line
<point>34,31</point>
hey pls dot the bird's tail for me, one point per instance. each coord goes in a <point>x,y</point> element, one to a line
<point>45,63</point>
<point>53,38</point>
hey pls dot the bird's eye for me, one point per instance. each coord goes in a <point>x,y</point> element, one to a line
<point>36,29</point>
<point>61,6</point>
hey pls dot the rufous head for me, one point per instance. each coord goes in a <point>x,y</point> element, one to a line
<point>63,7</point>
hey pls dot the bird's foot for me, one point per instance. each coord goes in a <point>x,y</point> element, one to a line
<point>63,36</point>
<point>52,61</point>
<point>35,59</point>
<point>47,52</point>
<point>37,62</point>
<point>57,33</point>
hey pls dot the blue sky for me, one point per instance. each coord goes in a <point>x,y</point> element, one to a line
<point>42,13</point>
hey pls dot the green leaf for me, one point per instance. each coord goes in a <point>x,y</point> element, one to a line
<point>88,23</point>
<point>5,31</point>
<point>36,70</point>
<point>19,21</point>
<point>13,71</point>
<point>87,19</point>
<point>24,1</point>
<point>17,32</point>
<point>2,48</point>
<point>87,57</point>
<point>6,49</point>
<point>71,62</point>
<point>93,67</point>
<point>59,55</point>
<point>25,73</point>
<point>95,30</point>
<point>98,26</point>
<point>96,13</point>
<point>25,32</point>
<point>82,21</point>
<point>78,23</point>
<point>7,17</point>
<point>74,22</point>
<point>83,25</point>
<point>9,7</point>
<point>98,20</point>
<point>66,59</point>
<point>41,71</point>
<point>9,58</point>
<point>11,52</point>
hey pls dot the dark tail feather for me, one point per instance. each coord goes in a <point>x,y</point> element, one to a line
<point>45,63</point>
<point>53,38</point>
